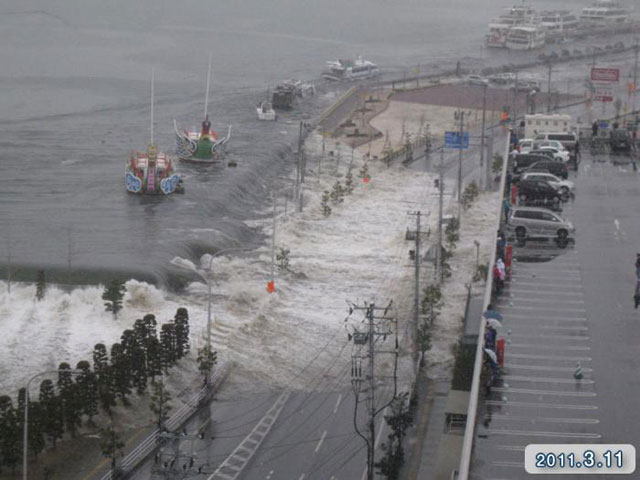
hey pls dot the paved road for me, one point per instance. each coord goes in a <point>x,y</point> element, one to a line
<point>576,307</point>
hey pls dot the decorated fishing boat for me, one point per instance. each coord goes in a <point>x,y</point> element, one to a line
<point>151,172</point>
<point>203,146</point>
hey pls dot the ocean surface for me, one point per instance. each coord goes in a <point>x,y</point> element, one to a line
<point>74,101</point>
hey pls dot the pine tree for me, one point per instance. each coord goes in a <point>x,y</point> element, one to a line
<point>168,345</point>
<point>113,295</point>
<point>121,369</point>
<point>104,374</point>
<point>348,183</point>
<point>207,358</point>
<point>160,403</point>
<point>337,194</point>
<point>71,405</point>
<point>51,407</point>
<point>87,387</point>
<point>36,428</point>
<point>10,436</point>
<point>399,420</point>
<point>452,233</point>
<point>324,204</point>
<point>111,445</point>
<point>154,358</point>
<point>181,321</point>
<point>41,286</point>
<point>283,259</point>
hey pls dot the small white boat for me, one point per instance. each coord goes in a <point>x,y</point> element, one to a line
<point>526,37</point>
<point>604,13</point>
<point>350,70</point>
<point>266,111</point>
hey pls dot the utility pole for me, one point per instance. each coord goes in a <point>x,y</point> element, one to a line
<point>484,116</point>
<point>635,84</point>
<point>367,340</point>
<point>416,263</point>
<point>440,205</point>
<point>514,110</point>
<point>460,133</point>
<point>9,261</point>
<point>549,86</point>
<point>174,465</point>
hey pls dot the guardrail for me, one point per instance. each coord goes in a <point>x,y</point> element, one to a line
<point>150,443</point>
<point>467,444</point>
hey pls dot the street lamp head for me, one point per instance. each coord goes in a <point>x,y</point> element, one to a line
<point>476,243</point>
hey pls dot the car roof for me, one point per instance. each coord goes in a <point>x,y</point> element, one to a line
<point>533,209</point>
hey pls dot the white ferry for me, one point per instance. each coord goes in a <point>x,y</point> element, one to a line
<point>604,13</point>
<point>526,37</point>
<point>499,27</point>
<point>351,69</point>
<point>559,21</point>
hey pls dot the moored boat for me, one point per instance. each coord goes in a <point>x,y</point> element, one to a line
<point>604,13</point>
<point>265,111</point>
<point>204,145</point>
<point>526,37</point>
<point>351,69</point>
<point>151,172</point>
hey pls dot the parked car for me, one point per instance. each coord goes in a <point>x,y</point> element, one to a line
<point>524,160</point>
<point>549,143</point>
<point>556,154</point>
<point>620,141</point>
<point>544,153</point>
<point>559,169</point>
<point>477,80</point>
<point>567,139</point>
<point>533,190</point>
<point>564,186</point>
<point>503,78</point>
<point>528,85</point>
<point>535,222</point>
<point>525,145</point>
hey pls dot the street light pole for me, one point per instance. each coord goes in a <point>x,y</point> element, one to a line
<point>484,116</point>
<point>25,429</point>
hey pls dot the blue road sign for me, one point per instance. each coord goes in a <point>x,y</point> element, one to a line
<point>452,140</point>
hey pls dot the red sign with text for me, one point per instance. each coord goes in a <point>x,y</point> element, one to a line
<point>609,75</point>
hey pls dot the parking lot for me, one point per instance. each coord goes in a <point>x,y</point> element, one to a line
<point>564,309</point>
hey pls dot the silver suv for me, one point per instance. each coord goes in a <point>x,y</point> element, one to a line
<point>534,222</point>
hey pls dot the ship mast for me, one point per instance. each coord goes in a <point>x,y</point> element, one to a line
<point>206,97</point>
<point>152,78</point>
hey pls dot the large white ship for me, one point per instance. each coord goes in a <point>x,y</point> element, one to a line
<point>526,37</point>
<point>604,13</point>
<point>350,69</point>
<point>499,27</point>
<point>559,21</point>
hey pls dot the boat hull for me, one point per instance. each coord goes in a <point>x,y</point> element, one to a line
<point>151,177</point>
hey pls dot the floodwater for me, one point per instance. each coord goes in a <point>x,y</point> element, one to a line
<point>74,101</point>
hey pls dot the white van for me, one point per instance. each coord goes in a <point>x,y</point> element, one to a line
<point>567,139</point>
<point>539,123</point>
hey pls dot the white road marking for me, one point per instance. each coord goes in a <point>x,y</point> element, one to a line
<point>545,301</point>
<point>549,347</point>
<point>616,222</point>
<point>551,307</point>
<point>520,283</point>
<point>563,337</point>
<point>516,366</point>
<point>533,391</point>
<point>302,476</point>
<point>335,409</point>
<point>546,379</point>
<point>547,317</point>
<point>590,421</point>
<point>549,327</point>
<point>519,465</point>
<point>549,357</point>
<point>527,433</point>
<point>541,405</point>
<point>324,434</point>
<point>515,448</point>
<point>530,293</point>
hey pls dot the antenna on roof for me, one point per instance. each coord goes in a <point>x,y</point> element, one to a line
<point>152,79</point>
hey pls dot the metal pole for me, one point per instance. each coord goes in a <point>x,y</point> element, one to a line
<point>372,406</point>
<point>273,241</point>
<point>549,88</point>
<point>416,301</point>
<point>515,102</point>
<point>635,80</point>
<point>460,162</point>
<point>209,317</point>
<point>439,250</point>
<point>484,116</point>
